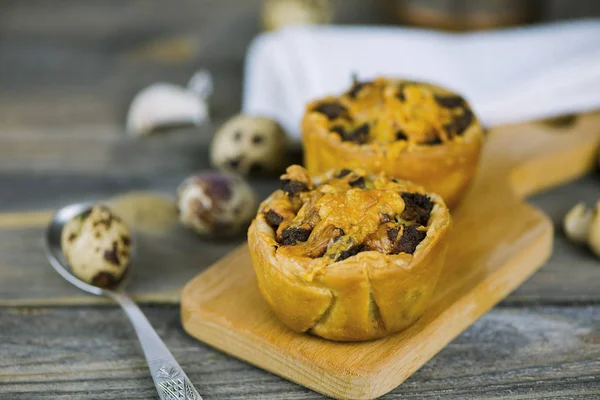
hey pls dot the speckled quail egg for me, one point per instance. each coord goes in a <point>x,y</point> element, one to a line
<point>216,204</point>
<point>97,246</point>
<point>249,146</point>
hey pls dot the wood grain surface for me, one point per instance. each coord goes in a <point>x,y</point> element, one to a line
<point>68,72</point>
<point>497,241</point>
<point>539,352</point>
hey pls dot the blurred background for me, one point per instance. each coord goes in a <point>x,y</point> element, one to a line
<point>70,69</point>
<point>74,62</point>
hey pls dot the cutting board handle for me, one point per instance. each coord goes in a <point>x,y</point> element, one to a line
<point>547,155</point>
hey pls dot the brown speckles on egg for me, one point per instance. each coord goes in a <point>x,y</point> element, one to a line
<point>216,186</point>
<point>105,280</point>
<point>126,240</point>
<point>257,139</point>
<point>112,255</point>
<point>216,204</point>
<point>249,145</point>
<point>255,169</point>
<point>96,250</point>
<point>201,211</point>
<point>107,219</point>
<point>84,215</point>
<point>332,110</point>
<point>234,163</point>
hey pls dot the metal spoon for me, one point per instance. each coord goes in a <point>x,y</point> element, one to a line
<point>170,380</point>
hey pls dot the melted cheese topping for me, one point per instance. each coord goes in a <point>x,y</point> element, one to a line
<point>340,215</point>
<point>398,110</point>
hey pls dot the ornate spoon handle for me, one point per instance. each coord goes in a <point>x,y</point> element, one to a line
<point>170,380</point>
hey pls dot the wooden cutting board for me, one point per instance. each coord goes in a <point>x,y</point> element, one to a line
<point>497,242</point>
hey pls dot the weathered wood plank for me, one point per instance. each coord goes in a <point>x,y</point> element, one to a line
<point>86,353</point>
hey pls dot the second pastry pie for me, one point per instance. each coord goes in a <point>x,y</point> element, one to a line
<point>409,130</point>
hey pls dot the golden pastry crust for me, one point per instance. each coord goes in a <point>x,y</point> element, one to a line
<point>348,256</point>
<point>409,130</point>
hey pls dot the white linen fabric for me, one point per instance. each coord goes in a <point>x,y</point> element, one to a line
<point>508,75</point>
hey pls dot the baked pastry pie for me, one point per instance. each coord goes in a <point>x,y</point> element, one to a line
<point>409,130</point>
<point>348,256</point>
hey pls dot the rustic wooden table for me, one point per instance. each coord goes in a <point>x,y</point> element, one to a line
<point>67,74</point>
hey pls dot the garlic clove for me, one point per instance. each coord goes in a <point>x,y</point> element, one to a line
<point>577,222</point>
<point>201,83</point>
<point>162,105</point>
<point>593,235</point>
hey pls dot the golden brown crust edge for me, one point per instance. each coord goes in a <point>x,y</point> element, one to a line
<point>365,297</point>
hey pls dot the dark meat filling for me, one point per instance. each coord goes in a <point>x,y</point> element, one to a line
<point>343,173</point>
<point>293,187</point>
<point>359,135</point>
<point>434,140</point>
<point>410,239</point>
<point>273,219</point>
<point>400,135</point>
<point>332,110</point>
<point>291,236</point>
<point>392,234</point>
<point>340,130</point>
<point>460,123</point>
<point>417,208</point>
<point>390,238</point>
<point>351,252</point>
<point>358,182</point>
<point>450,101</point>
<point>356,88</point>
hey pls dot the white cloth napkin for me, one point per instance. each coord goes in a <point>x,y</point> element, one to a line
<point>508,75</point>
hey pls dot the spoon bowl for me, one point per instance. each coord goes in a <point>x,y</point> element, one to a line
<point>169,379</point>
